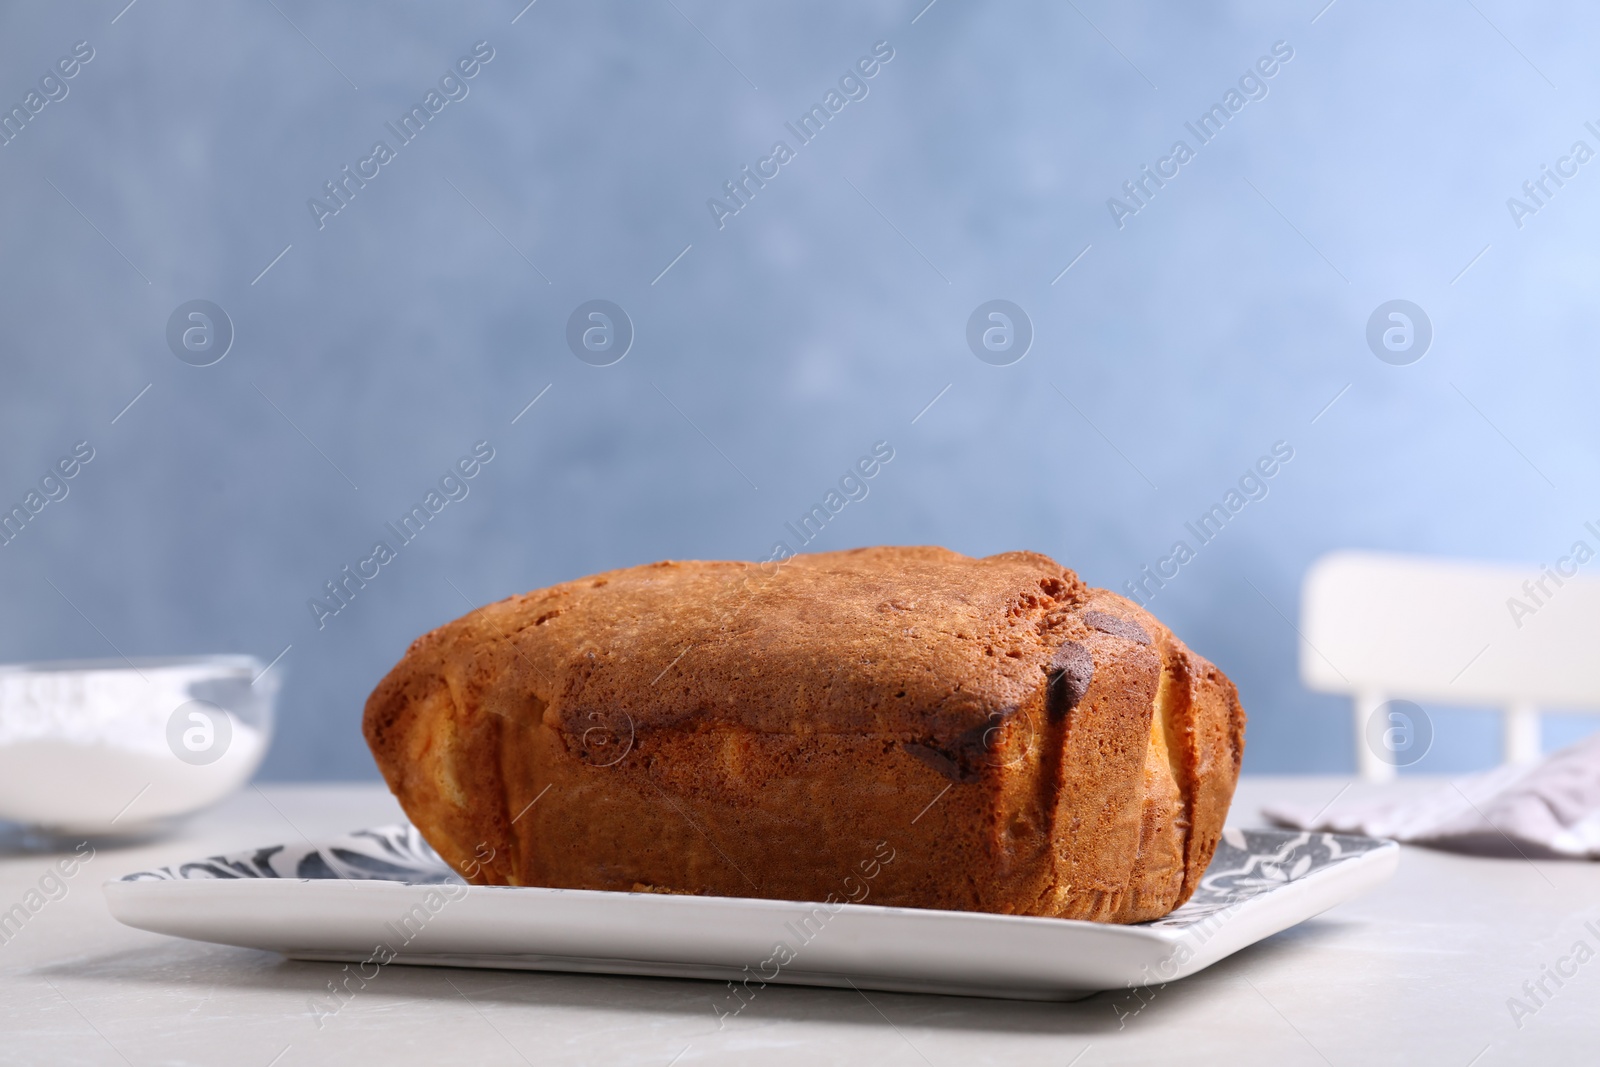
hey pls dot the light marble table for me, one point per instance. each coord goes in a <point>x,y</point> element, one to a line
<point>1418,971</point>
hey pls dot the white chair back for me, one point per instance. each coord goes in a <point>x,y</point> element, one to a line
<point>1377,626</point>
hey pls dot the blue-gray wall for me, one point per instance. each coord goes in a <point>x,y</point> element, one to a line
<point>824,316</point>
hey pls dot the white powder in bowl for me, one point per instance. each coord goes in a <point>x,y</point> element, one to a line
<point>86,748</point>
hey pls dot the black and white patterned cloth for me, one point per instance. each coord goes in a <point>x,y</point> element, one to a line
<point>1247,864</point>
<point>386,853</point>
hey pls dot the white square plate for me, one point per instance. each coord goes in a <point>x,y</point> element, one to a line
<point>380,896</point>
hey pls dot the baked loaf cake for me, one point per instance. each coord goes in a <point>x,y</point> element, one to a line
<point>901,726</point>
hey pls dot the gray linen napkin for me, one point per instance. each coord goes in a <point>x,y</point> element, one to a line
<point>1549,810</point>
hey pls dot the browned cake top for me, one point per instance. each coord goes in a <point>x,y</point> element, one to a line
<point>894,640</point>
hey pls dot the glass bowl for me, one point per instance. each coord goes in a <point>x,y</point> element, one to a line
<point>112,747</point>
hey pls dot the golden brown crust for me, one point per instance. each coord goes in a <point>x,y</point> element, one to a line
<point>1019,742</point>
